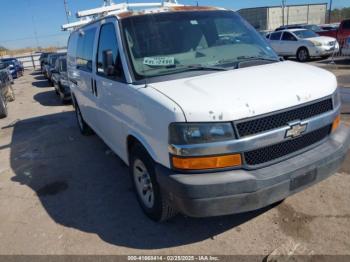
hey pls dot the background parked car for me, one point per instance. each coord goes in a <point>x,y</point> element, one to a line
<point>60,79</point>
<point>329,27</point>
<point>6,92</point>
<point>15,67</point>
<point>43,60</point>
<point>341,34</point>
<point>3,66</point>
<point>50,65</point>
<point>302,43</point>
<point>312,27</point>
<point>346,48</point>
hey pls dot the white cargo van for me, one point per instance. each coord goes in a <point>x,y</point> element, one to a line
<point>207,117</point>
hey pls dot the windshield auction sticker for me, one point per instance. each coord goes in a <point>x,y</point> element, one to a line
<point>159,61</point>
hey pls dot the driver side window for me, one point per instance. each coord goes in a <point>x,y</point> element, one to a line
<point>288,37</point>
<point>108,57</point>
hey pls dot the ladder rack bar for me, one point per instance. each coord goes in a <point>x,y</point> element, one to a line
<point>87,16</point>
<point>75,24</point>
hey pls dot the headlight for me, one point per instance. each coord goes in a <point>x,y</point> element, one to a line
<point>316,43</point>
<point>197,133</point>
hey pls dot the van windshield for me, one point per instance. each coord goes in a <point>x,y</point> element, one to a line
<point>169,43</point>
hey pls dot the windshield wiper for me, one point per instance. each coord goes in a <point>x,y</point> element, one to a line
<point>202,68</point>
<point>250,58</point>
<point>243,59</point>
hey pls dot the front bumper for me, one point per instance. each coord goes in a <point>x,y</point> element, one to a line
<point>324,50</point>
<point>236,191</point>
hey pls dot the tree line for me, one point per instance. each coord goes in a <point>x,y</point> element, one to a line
<point>337,15</point>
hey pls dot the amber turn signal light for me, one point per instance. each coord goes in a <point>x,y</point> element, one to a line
<point>336,123</point>
<point>200,163</point>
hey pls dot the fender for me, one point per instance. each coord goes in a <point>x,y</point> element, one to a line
<point>143,142</point>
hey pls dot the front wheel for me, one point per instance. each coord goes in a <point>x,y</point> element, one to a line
<point>11,94</point>
<point>3,107</point>
<point>303,54</point>
<point>152,200</point>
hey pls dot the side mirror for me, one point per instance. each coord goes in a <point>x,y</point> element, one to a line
<point>108,64</point>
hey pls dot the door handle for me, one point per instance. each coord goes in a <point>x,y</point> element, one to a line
<point>95,85</point>
<point>92,86</point>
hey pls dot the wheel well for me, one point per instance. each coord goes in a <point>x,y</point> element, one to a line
<point>303,47</point>
<point>133,141</point>
<point>74,100</point>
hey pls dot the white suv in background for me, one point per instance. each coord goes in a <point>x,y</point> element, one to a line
<point>303,44</point>
<point>207,117</point>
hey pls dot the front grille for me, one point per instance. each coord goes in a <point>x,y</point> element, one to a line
<point>273,152</point>
<point>262,124</point>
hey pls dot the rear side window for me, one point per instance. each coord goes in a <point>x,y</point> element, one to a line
<point>85,49</point>
<point>276,36</point>
<point>108,47</point>
<point>288,37</point>
<point>72,49</point>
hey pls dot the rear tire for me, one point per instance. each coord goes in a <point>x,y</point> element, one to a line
<point>303,54</point>
<point>83,126</point>
<point>152,200</point>
<point>3,107</point>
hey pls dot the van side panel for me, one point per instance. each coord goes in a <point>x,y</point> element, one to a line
<point>134,111</point>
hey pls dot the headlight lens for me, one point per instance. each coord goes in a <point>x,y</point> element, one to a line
<point>197,133</point>
<point>316,43</point>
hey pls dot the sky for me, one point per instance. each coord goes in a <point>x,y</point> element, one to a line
<point>22,20</point>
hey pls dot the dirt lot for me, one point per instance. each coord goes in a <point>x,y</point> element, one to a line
<point>62,193</point>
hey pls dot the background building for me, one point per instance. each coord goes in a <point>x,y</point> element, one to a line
<point>269,18</point>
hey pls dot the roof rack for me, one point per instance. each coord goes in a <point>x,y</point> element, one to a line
<point>109,8</point>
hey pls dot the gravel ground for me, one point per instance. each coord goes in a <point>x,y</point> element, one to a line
<point>62,193</point>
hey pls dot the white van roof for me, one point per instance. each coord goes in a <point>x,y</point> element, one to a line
<point>124,10</point>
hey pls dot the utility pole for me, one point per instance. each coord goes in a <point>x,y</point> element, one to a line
<point>283,9</point>
<point>330,11</point>
<point>107,2</point>
<point>66,10</point>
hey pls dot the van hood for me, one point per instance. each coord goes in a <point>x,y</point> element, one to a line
<point>247,92</point>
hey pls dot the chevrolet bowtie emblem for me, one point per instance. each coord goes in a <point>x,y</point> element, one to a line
<point>296,130</point>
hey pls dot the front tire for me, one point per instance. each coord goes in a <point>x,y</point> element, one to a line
<point>152,200</point>
<point>3,107</point>
<point>11,94</point>
<point>303,54</point>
